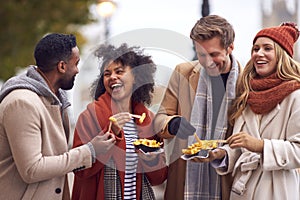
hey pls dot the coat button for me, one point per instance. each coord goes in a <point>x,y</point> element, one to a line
<point>57,190</point>
<point>283,162</point>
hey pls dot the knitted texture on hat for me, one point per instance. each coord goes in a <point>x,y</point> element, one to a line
<point>285,35</point>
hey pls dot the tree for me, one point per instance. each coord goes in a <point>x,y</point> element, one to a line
<point>24,22</point>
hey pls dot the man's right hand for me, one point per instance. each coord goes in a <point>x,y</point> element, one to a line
<point>212,155</point>
<point>102,143</point>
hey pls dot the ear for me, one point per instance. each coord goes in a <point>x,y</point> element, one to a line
<point>230,48</point>
<point>61,66</point>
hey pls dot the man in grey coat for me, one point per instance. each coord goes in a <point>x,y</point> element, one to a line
<point>34,126</point>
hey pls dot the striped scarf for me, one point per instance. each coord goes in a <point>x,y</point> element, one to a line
<point>202,180</point>
<point>112,182</point>
<point>130,133</point>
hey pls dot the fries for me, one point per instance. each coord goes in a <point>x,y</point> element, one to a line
<point>197,138</point>
<point>147,142</point>
<point>112,119</point>
<point>140,117</point>
<point>201,145</point>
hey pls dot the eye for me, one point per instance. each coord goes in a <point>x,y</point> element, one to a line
<point>120,71</point>
<point>214,55</point>
<point>255,49</point>
<point>106,73</point>
<point>268,48</point>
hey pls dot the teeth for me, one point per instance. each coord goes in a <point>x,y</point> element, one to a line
<point>261,62</point>
<point>116,85</point>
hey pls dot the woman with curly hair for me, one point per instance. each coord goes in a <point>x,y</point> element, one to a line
<point>264,151</point>
<point>122,90</point>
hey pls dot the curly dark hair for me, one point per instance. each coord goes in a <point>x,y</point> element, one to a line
<point>134,57</point>
<point>53,48</point>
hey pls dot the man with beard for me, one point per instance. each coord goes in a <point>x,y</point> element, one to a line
<point>196,101</point>
<point>34,126</point>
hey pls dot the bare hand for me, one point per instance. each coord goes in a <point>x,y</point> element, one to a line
<point>120,120</point>
<point>102,143</point>
<point>212,155</point>
<point>247,141</point>
<point>147,157</point>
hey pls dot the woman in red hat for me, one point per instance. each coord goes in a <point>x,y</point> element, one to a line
<point>264,151</point>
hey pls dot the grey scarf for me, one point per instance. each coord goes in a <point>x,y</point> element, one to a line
<point>202,179</point>
<point>33,81</point>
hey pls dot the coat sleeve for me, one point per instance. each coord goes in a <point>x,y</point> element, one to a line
<point>232,157</point>
<point>27,142</point>
<point>169,106</point>
<point>86,128</point>
<point>283,153</point>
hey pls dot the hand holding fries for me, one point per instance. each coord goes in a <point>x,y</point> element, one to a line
<point>117,121</point>
<point>140,117</point>
<point>202,145</point>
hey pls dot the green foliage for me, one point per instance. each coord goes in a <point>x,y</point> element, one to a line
<point>24,22</point>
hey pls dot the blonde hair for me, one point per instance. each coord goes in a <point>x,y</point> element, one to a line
<point>287,69</point>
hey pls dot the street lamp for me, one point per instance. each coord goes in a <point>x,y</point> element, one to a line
<point>205,8</point>
<point>106,9</point>
<point>204,13</point>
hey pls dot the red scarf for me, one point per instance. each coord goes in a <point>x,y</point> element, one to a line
<point>268,92</point>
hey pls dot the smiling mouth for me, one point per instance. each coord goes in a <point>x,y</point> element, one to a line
<point>211,66</point>
<point>116,86</point>
<point>261,62</point>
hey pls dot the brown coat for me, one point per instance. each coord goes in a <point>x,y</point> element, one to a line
<point>34,156</point>
<point>186,76</point>
<point>178,100</point>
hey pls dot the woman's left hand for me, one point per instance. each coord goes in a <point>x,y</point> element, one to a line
<point>247,141</point>
<point>119,121</point>
<point>147,157</point>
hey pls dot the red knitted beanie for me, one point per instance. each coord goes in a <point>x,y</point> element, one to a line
<point>285,35</point>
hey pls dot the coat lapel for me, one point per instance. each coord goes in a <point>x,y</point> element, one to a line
<point>193,81</point>
<point>251,121</point>
<point>255,127</point>
<point>268,118</point>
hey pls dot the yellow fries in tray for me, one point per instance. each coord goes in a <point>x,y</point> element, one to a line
<point>146,142</point>
<point>202,145</point>
<point>147,145</point>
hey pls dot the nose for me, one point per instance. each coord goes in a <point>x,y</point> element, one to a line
<point>260,52</point>
<point>113,76</point>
